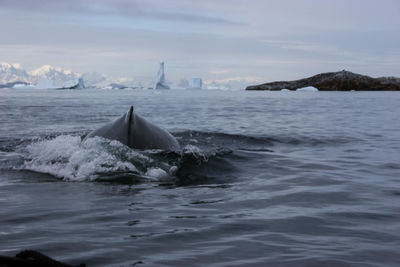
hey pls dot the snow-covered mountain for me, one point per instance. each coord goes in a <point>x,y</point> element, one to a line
<point>12,73</point>
<point>95,79</point>
<point>58,76</point>
<point>49,77</point>
<point>43,77</point>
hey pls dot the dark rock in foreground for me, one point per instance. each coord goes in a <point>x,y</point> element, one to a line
<point>335,81</point>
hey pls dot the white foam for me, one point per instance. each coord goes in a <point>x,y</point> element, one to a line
<point>191,149</point>
<point>156,173</point>
<point>196,152</point>
<point>67,157</point>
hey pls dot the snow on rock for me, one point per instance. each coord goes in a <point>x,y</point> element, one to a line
<point>12,73</point>
<point>58,76</point>
<point>44,77</point>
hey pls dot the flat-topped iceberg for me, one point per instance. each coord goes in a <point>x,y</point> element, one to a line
<point>23,86</point>
<point>50,84</point>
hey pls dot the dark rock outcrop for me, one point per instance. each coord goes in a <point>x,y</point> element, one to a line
<point>335,81</point>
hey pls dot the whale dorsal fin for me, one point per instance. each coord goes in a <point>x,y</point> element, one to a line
<point>129,116</point>
<point>128,121</point>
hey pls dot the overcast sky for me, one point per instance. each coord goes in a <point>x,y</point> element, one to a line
<point>262,40</point>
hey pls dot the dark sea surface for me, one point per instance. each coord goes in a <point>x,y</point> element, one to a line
<point>263,178</point>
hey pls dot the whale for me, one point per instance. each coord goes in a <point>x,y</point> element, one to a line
<point>136,132</point>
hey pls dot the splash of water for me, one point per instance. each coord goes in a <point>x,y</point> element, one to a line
<point>97,158</point>
<point>67,157</point>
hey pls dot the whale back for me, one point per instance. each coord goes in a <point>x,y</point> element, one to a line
<point>136,132</point>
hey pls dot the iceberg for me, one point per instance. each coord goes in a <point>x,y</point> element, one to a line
<point>161,83</point>
<point>45,84</point>
<point>74,85</point>
<point>115,86</point>
<point>23,86</point>
<point>183,84</point>
<point>217,86</point>
<point>50,84</point>
<point>195,83</point>
<point>307,89</point>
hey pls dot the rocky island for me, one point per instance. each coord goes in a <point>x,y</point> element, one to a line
<point>335,81</point>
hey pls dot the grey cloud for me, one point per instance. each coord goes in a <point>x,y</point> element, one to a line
<point>279,39</point>
<point>125,8</point>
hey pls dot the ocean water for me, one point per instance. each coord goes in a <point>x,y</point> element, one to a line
<point>263,179</point>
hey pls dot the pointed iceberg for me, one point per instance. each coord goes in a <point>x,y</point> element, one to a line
<point>161,83</point>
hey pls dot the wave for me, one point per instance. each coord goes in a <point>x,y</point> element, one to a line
<point>235,141</point>
<point>71,159</point>
<point>206,156</point>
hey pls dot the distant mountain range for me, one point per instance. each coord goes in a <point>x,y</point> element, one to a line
<point>335,81</point>
<point>12,73</point>
<point>58,75</point>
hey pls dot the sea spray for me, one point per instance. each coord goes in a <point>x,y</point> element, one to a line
<point>97,158</point>
<point>68,158</point>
